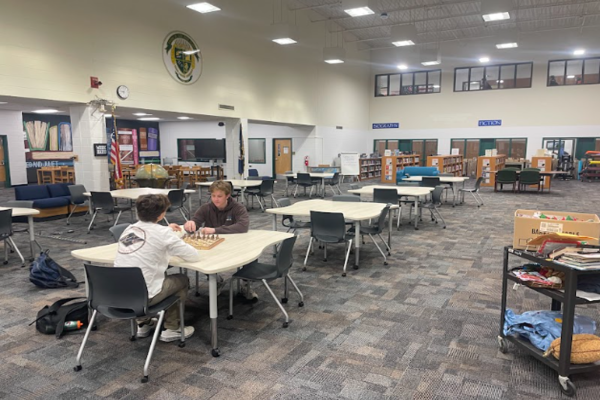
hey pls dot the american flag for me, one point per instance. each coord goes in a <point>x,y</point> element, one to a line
<point>116,160</point>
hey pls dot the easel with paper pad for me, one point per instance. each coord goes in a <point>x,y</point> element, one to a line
<point>350,165</point>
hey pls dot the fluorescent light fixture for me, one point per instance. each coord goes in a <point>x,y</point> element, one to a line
<point>402,43</point>
<point>3,102</point>
<point>404,35</point>
<point>579,52</point>
<point>507,45</point>
<point>403,66</point>
<point>359,11</point>
<point>141,114</point>
<point>570,76</point>
<point>46,111</point>
<point>183,117</point>
<point>148,119</point>
<point>428,63</point>
<point>284,34</point>
<point>334,55</point>
<point>191,52</point>
<point>335,61</point>
<point>496,10</point>
<point>496,17</point>
<point>284,41</point>
<point>484,59</point>
<point>203,7</point>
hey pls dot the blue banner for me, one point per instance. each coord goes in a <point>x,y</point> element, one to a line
<point>389,125</point>
<point>490,122</point>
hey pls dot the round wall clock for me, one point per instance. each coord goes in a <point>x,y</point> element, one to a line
<point>123,92</point>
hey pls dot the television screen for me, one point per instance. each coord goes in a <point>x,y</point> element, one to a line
<point>201,149</point>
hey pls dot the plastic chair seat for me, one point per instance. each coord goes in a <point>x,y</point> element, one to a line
<point>258,271</point>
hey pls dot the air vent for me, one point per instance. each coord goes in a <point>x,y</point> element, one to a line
<point>339,127</point>
<point>226,107</point>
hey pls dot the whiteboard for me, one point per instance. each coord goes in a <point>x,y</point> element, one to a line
<point>350,164</point>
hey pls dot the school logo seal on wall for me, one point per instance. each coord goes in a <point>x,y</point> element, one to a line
<point>182,57</point>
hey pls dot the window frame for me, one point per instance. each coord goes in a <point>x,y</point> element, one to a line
<point>566,61</point>
<point>264,151</point>
<point>403,76</point>
<point>510,139</point>
<point>485,67</point>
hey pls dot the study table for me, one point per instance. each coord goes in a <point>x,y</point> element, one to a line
<point>133,194</point>
<point>235,251</point>
<point>551,174</point>
<point>321,175</point>
<point>453,180</point>
<point>409,191</point>
<point>355,212</point>
<point>29,213</point>
<point>241,184</point>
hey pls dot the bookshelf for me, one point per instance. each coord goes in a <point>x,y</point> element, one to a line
<point>391,164</point>
<point>486,164</point>
<point>370,168</point>
<point>447,164</point>
<point>543,164</point>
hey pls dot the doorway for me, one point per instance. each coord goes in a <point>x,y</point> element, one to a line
<point>282,156</point>
<point>4,175</point>
<point>486,144</point>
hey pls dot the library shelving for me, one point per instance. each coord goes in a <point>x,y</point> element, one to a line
<point>449,164</point>
<point>486,165</point>
<point>391,164</point>
<point>544,164</point>
<point>370,168</point>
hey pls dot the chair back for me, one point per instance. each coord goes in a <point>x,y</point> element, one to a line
<point>284,202</point>
<point>478,183</point>
<point>266,187</point>
<point>77,192</point>
<point>303,179</point>
<point>327,227</point>
<point>117,292</point>
<point>447,174</point>
<point>290,179</point>
<point>335,180</point>
<point>430,181</point>
<point>529,177</point>
<point>117,230</point>
<point>5,224</point>
<point>104,201</point>
<point>506,175</point>
<point>381,220</point>
<point>284,258</point>
<point>385,196</point>
<point>176,198</point>
<point>350,198</point>
<point>531,169</point>
<point>436,195</point>
<point>252,172</point>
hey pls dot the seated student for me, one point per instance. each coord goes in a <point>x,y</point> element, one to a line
<point>221,215</point>
<point>148,245</point>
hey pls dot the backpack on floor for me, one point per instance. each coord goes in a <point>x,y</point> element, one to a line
<point>51,319</point>
<point>47,274</point>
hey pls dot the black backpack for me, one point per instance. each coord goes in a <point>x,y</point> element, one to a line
<point>52,319</point>
<point>47,274</point>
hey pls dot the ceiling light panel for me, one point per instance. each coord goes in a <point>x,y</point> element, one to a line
<point>579,52</point>
<point>284,41</point>
<point>507,45</point>
<point>203,7</point>
<point>46,111</point>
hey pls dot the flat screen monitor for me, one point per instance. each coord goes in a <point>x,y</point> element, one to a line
<point>197,150</point>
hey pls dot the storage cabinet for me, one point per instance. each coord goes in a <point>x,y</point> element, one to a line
<point>391,164</point>
<point>487,166</point>
<point>544,164</point>
<point>451,164</point>
<point>370,168</point>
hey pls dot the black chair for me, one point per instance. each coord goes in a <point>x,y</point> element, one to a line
<point>305,181</point>
<point>6,232</point>
<point>334,182</point>
<point>376,229</point>
<point>121,293</point>
<point>104,203</point>
<point>474,192</point>
<point>288,221</point>
<point>430,181</point>
<point>117,230</point>
<point>252,172</point>
<point>432,206</point>
<point>387,196</point>
<point>235,193</point>
<point>77,200</point>
<point>529,177</point>
<point>505,176</point>
<point>328,228</point>
<point>256,271</point>
<point>346,197</point>
<point>20,219</point>
<point>177,200</point>
<point>265,189</point>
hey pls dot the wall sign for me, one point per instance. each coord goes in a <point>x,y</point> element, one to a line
<point>182,57</point>
<point>389,125</point>
<point>100,149</point>
<point>490,122</point>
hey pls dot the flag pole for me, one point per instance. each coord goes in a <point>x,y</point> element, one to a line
<point>118,173</point>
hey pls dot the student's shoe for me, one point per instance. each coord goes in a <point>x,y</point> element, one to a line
<point>170,335</point>
<point>145,329</point>
<point>247,292</point>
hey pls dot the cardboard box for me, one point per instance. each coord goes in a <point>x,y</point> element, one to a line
<point>529,228</point>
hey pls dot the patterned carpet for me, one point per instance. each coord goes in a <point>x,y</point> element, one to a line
<point>422,327</point>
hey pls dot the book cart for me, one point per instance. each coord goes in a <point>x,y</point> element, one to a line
<point>567,299</point>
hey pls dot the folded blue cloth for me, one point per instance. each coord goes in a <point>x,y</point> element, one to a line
<point>589,283</point>
<point>542,327</point>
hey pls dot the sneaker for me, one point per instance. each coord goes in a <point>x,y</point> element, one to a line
<point>247,292</point>
<point>146,328</point>
<point>169,335</point>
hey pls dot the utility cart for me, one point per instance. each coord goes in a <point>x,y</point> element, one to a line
<point>568,300</point>
<point>591,168</point>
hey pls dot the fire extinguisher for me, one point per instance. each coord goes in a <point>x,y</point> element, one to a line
<point>306,162</point>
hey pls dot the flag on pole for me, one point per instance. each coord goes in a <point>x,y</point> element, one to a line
<point>241,161</point>
<point>115,159</point>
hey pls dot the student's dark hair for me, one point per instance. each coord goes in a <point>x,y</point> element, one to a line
<point>150,206</point>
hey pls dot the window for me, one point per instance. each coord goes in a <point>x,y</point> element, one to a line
<point>492,77</point>
<point>469,148</point>
<point>418,82</point>
<point>574,72</point>
<point>422,147</point>
<point>257,150</point>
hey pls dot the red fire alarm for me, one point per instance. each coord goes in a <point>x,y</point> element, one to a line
<point>95,82</point>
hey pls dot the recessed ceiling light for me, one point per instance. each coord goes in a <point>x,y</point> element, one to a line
<point>334,61</point>
<point>284,41</point>
<point>507,45</point>
<point>428,63</point>
<point>496,16</point>
<point>570,76</point>
<point>484,59</point>
<point>402,66</point>
<point>3,102</point>
<point>183,118</point>
<point>579,52</point>
<point>359,11</point>
<point>402,43</point>
<point>46,111</point>
<point>148,119</point>
<point>203,7</point>
<point>141,114</point>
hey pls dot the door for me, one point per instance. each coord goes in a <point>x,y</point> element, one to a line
<point>486,144</point>
<point>3,162</point>
<point>417,148</point>
<point>583,145</point>
<point>282,155</point>
<point>405,146</point>
<point>431,148</point>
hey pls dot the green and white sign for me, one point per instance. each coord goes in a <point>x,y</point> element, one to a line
<point>182,57</point>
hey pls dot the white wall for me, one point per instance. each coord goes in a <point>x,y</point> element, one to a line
<point>11,126</point>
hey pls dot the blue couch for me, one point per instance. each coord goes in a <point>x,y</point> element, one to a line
<point>416,171</point>
<point>50,200</point>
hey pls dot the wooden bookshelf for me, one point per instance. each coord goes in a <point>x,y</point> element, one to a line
<point>391,164</point>
<point>486,164</point>
<point>451,164</point>
<point>370,168</point>
<point>543,164</point>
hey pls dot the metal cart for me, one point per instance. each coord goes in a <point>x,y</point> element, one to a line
<point>568,300</point>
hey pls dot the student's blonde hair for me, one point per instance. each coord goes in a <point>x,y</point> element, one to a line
<point>223,186</point>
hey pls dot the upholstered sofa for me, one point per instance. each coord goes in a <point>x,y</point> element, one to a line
<point>51,200</point>
<point>416,171</point>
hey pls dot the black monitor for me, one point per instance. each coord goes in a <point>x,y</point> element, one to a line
<point>197,150</point>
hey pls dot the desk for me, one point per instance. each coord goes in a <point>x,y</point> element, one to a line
<point>355,212</point>
<point>235,251</point>
<point>410,191</point>
<point>242,184</point>
<point>322,175</point>
<point>29,213</point>
<point>453,180</point>
<point>133,194</point>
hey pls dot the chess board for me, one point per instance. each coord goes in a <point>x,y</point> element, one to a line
<point>203,242</point>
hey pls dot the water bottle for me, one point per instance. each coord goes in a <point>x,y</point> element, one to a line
<point>73,325</point>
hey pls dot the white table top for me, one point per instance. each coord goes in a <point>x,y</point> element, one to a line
<point>235,251</point>
<point>325,175</point>
<point>358,211</point>
<point>443,179</point>
<point>235,182</point>
<point>21,212</point>
<point>402,190</point>
<point>133,194</point>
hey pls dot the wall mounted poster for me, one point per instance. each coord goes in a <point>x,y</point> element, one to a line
<point>128,146</point>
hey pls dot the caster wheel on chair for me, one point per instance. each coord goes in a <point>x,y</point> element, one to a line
<point>389,254</point>
<point>284,300</point>
<point>356,267</point>
<point>344,274</point>
<point>145,379</point>
<point>132,338</point>
<point>324,260</point>
<point>385,263</point>
<point>5,262</point>
<point>303,268</point>
<point>444,227</point>
<point>77,368</point>
<point>215,352</point>
<point>286,324</point>
<point>301,304</point>
<point>569,390</point>
<point>229,317</point>
<point>181,345</point>
<point>197,294</point>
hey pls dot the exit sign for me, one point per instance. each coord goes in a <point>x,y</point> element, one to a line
<point>490,122</point>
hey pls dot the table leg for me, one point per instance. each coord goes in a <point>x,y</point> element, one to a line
<point>275,229</point>
<point>323,187</point>
<point>199,196</point>
<point>190,206</point>
<point>416,212</point>
<point>32,239</point>
<point>454,193</point>
<point>357,244</point>
<point>212,301</point>
<point>390,228</point>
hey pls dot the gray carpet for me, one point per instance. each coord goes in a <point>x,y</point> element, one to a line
<point>422,327</point>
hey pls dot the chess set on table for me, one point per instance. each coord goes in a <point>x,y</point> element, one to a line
<point>202,242</point>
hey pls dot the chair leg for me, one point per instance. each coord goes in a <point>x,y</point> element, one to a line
<point>181,322</point>
<point>230,316</point>
<point>287,318</point>
<point>389,249</point>
<point>183,214</point>
<point>310,193</point>
<point>307,253</point>
<point>117,219</point>
<point>5,252</point>
<point>301,304</point>
<point>14,246</point>
<point>379,248</point>
<point>480,198</point>
<point>347,256</point>
<point>85,338</point>
<point>71,213</point>
<point>440,215</point>
<point>161,317</point>
<point>166,220</point>
<point>260,203</point>
<point>92,221</point>
<point>274,200</point>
